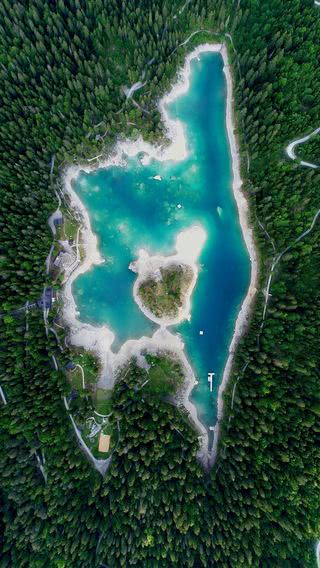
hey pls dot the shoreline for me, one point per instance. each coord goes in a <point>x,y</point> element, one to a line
<point>164,340</point>
<point>100,339</point>
<point>248,236</point>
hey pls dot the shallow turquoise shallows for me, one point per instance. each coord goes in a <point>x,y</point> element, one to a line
<point>130,210</point>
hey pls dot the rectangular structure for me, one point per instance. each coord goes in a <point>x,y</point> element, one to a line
<point>104,443</point>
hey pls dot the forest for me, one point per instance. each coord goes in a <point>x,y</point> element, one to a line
<point>63,65</point>
<point>310,150</point>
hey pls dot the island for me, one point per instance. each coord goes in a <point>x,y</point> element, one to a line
<point>163,292</point>
<point>165,283</point>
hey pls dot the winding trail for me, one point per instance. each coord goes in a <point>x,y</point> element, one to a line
<point>290,149</point>
<point>3,398</point>
<point>144,110</point>
<point>27,306</point>
<point>55,363</point>
<point>181,9</point>
<point>57,338</point>
<point>186,41</point>
<point>48,259</point>
<point>279,256</point>
<point>267,234</point>
<point>276,259</point>
<point>94,158</point>
<point>100,465</point>
<point>78,366</point>
<point>129,91</point>
<point>45,312</point>
<point>41,463</point>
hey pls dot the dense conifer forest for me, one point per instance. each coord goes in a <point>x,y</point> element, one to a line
<point>310,150</point>
<point>62,68</point>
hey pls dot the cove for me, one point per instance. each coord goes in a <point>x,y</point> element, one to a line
<point>129,209</point>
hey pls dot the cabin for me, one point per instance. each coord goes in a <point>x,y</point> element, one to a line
<point>46,299</point>
<point>104,443</point>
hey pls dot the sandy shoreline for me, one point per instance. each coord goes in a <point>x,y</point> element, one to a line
<point>100,339</point>
<point>243,209</point>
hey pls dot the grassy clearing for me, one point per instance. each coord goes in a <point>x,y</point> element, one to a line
<point>89,364</point>
<point>165,296</point>
<point>163,377</point>
<point>69,228</point>
<point>91,428</point>
<point>102,401</point>
<point>75,378</point>
<point>165,374</point>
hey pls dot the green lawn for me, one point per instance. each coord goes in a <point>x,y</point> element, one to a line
<point>69,228</point>
<point>75,378</point>
<point>102,401</point>
<point>89,364</point>
<point>165,374</point>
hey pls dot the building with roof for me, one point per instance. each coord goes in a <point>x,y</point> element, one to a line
<point>46,299</point>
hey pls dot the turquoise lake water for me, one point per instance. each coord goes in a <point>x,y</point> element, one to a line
<point>130,210</point>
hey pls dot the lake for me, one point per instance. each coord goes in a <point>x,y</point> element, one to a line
<point>129,210</point>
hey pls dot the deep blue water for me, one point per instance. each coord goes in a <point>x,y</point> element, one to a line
<point>129,210</point>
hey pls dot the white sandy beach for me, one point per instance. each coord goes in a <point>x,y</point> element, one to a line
<point>100,339</point>
<point>243,209</point>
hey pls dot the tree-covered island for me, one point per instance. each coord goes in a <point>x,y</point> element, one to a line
<point>164,293</point>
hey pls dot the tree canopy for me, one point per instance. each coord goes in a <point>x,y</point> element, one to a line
<point>63,66</point>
